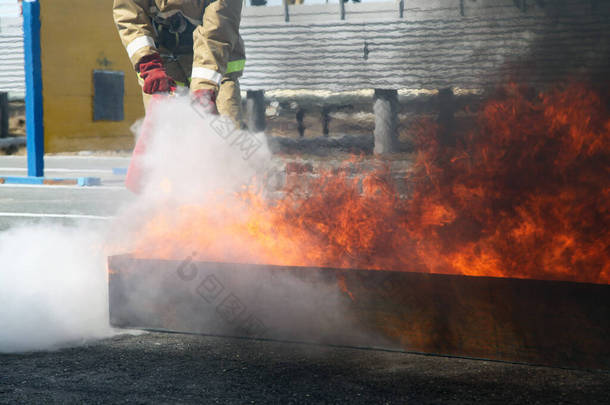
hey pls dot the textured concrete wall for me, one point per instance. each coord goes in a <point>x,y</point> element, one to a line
<point>12,78</point>
<point>436,44</point>
<point>77,38</point>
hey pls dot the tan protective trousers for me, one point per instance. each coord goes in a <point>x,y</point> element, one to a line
<point>228,99</point>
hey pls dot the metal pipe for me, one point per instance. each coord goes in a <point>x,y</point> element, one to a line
<point>286,13</point>
<point>33,85</point>
<point>3,114</point>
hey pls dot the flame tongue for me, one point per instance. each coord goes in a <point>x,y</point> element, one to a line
<point>525,194</point>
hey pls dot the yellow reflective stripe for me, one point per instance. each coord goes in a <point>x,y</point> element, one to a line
<point>236,65</point>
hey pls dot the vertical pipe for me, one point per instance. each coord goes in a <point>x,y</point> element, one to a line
<point>385,107</point>
<point>325,120</point>
<point>401,8</point>
<point>255,110</point>
<point>286,13</point>
<point>462,8</point>
<point>446,116</point>
<point>300,116</point>
<point>342,3</point>
<point>3,114</point>
<point>33,88</point>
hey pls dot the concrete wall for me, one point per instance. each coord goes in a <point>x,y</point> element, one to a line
<point>78,37</point>
<point>434,44</point>
<point>12,78</point>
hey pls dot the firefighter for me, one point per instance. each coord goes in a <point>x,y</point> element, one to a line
<point>193,43</point>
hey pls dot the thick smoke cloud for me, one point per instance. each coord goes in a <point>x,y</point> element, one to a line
<point>53,289</point>
<point>53,281</point>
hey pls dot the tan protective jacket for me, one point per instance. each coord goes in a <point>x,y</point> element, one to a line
<point>217,46</point>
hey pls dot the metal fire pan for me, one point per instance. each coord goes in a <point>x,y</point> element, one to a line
<point>551,323</point>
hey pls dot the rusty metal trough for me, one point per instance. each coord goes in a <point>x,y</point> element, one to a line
<point>551,323</point>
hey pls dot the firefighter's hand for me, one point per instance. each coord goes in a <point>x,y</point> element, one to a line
<point>206,100</point>
<point>153,73</point>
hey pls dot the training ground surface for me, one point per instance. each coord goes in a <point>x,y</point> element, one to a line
<point>175,368</point>
<point>62,204</point>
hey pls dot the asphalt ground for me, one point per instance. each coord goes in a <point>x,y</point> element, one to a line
<point>176,368</point>
<point>180,368</point>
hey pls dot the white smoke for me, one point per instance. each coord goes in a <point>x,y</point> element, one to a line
<point>193,154</point>
<point>53,288</point>
<point>53,278</point>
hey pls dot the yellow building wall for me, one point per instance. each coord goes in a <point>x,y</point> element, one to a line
<point>77,37</point>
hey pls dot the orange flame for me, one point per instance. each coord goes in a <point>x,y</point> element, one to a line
<point>525,194</point>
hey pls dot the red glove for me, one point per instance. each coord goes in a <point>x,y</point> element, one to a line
<point>153,73</point>
<point>206,100</point>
